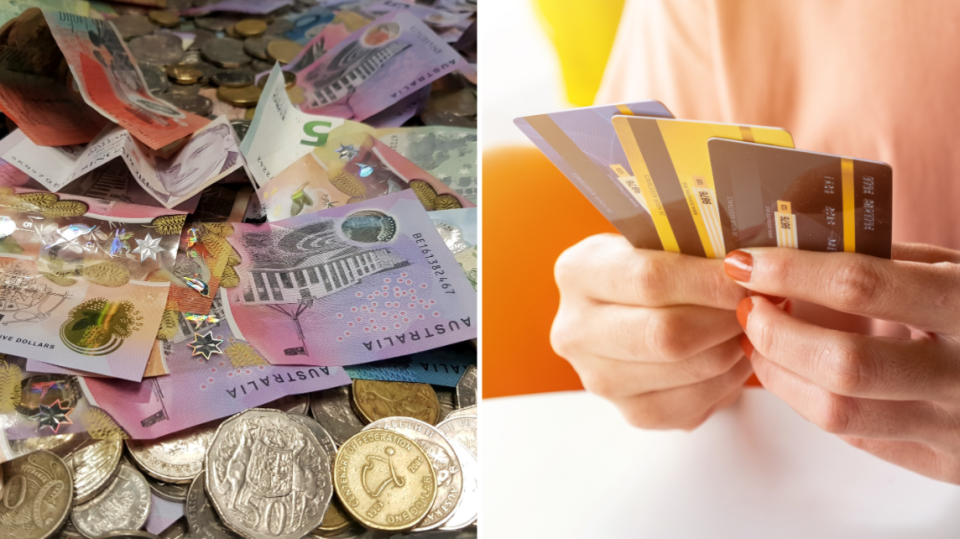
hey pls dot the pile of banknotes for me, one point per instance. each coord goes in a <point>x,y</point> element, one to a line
<point>238,268</point>
<point>706,189</point>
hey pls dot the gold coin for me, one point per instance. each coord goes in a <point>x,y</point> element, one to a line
<point>283,50</point>
<point>251,28</point>
<point>250,113</point>
<point>231,31</point>
<point>184,74</point>
<point>166,19</point>
<point>240,97</point>
<point>289,80</point>
<point>385,480</point>
<point>374,400</point>
<point>335,520</point>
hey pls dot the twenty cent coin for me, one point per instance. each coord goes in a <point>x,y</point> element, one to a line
<point>176,458</point>
<point>168,491</point>
<point>123,505</point>
<point>93,465</point>
<point>443,459</point>
<point>461,429</point>
<point>466,511</point>
<point>201,518</point>
<point>331,408</point>
<point>467,388</point>
<point>159,49</point>
<point>38,492</point>
<point>264,474</point>
<point>385,480</point>
<point>225,52</point>
<point>373,400</point>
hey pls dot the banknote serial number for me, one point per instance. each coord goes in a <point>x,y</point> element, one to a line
<point>431,258</point>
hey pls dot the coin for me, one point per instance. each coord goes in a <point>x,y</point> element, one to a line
<point>47,389</point>
<point>240,128</point>
<point>123,505</point>
<point>168,491</point>
<point>225,52</point>
<point>127,534</point>
<point>445,464</point>
<point>335,520</point>
<point>283,50</point>
<point>461,429</point>
<point>38,492</point>
<point>214,24</point>
<point>467,388</point>
<point>239,97</point>
<point>177,530</point>
<point>155,77</point>
<point>259,66</point>
<point>69,531</point>
<point>249,114</point>
<point>445,399</point>
<point>159,49</point>
<point>184,73</point>
<point>165,19</point>
<point>251,28</point>
<point>200,36</point>
<point>189,101</point>
<point>18,448</point>
<point>280,26</point>
<point>201,518</point>
<point>257,47</point>
<point>385,480</point>
<point>131,26</point>
<point>373,400</point>
<point>331,408</point>
<point>233,78</point>
<point>176,458</point>
<point>326,442</point>
<point>289,79</point>
<point>231,31</point>
<point>265,473</point>
<point>466,511</point>
<point>93,465</point>
<point>469,411</point>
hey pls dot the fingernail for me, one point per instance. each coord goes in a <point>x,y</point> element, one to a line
<point>738,265</point>
<point>746,345</point>
<point>776,300</point>
<point>743,311</point>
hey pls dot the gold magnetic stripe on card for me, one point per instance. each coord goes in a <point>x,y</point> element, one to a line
<point>645,182</point>
<point>625,111</point>
<point>849,211</point>
<point>746,133</point>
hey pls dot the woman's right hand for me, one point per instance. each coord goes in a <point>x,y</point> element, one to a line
<point>655,333</point>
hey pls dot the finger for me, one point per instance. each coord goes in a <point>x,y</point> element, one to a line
<point>615,379</point>
<point>607,268</point>
<point>925,296</point>
<point>915,456</point>
<point>849,416</point>
<point>850,364</point>
<point>683,407</point>
<point>667,334</point>
<point>921,252</point>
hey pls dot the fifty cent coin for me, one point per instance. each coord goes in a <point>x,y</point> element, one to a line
<point>123,505</point>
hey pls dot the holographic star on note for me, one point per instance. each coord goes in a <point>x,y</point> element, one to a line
<point>200,319</point>
<point>205,345</point>
<point>347,152</point>
<point>52,416</point>
<point>148,248</point>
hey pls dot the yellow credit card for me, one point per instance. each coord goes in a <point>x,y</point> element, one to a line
<point>671,162</point>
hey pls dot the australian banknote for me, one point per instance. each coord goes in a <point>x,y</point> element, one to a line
<point>458,229</point>
<point>447,153</point>
<point>110,81</point>
<point>441,366</point>
<point>376,66</point>
<point>349,285</point>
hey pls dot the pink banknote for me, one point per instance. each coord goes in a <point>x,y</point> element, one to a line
<point>349,285</point>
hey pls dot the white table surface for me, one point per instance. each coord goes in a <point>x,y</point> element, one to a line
<point>566,465</point>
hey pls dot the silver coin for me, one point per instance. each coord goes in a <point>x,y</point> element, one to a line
<point>467,388</point>
<point>168,491</point>
<point>279,26</point>
<point>159,49</point>
<point>445,463</point>
<point>156,78</point>
<point>131,26</point>
<point>177,530</point>
<point>38,492</point>
<point>213,24</point>
<point>461,429</point>
<point>469,411</point>
<point>240,127</point>
<point>127,534</point>
<point>191,56</point>
<point>201,36</point>
<point>190,102</point>
<point>225,52</point>
<point>233,78</point>
<point>322,436</point>
<point>445,397</point>
<point>201,518</point>
<point>69,531</point>
<point>332,409</point>
<point>259,66</point>
<point>123,505</point>
<point>176,458</point>
<point>466,511</point>
<point>257,47</point>
<point>93,465</point>
<point>263,475</point>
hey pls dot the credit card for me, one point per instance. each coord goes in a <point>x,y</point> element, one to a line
<point>583,145</point>
<point>770,197</point>
<point>672,166</point>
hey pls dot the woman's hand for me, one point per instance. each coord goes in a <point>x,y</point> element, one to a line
<point>654,332</point>
<point>898,399</point>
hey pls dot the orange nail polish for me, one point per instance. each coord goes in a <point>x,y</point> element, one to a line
<point>746,345</point>
<point>738,265</point>
<point>743,311</point>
